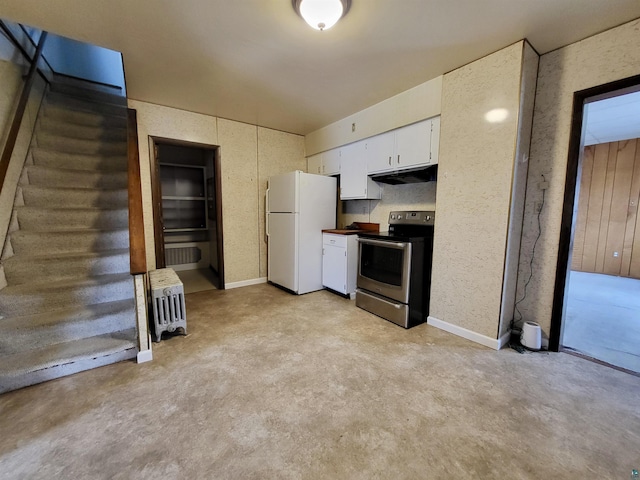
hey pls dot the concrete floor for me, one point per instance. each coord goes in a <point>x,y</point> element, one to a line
<point>602,318</point>
<point>272,386</point>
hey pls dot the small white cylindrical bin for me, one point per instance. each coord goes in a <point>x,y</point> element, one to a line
<point>531,336</point>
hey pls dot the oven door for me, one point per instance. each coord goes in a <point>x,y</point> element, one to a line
<point>384,267</point>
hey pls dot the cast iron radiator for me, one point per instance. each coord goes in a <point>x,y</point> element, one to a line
<point>167,294</point>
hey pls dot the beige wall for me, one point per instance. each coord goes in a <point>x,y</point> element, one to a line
<point>11,82</point>
<point>518,189</point>
<point>603,58</point>
<point>417,196</point>
<point>278,152</point>
<point>248,154</point>
<point>475,176</point>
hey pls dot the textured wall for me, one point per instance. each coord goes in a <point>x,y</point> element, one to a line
<point>518,190</point>
<point>239,152</point>
<point>11,81</point>
<point>248,154</point>
<point>417,196</point>
<point>474,191</point>
<point>609,56</point>
<point>278,152</point>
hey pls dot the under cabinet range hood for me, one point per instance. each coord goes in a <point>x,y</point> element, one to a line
<point>418,175</point>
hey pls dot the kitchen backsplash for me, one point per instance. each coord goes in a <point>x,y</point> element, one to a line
<point>416,196</point>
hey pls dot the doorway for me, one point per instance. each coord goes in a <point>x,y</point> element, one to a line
<point>187,212</point>
<point>596,310</point>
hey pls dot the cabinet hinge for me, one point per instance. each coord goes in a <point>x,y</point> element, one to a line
<point>345,254</point>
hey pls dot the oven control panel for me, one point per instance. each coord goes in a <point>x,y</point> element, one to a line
<point>412,218</point>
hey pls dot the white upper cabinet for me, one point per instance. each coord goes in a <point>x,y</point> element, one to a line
<point>326,163</point>
<point>354,182</point>
<point>380,152</point>
<point>413,144</point>
<point>331,162</point>
<point>407,147</point>
<point>314,164</point>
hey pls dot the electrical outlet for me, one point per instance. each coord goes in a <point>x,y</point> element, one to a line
<point>353,127</point>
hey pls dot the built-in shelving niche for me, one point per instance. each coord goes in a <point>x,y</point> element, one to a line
<point>186,174</point>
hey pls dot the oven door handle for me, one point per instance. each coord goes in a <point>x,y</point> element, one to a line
<point>384,243</point>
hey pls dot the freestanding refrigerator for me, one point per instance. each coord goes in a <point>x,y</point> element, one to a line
<point>299,206</point>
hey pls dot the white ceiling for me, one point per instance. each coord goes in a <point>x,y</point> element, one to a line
<point>256,61</point>
<point>613,119</point>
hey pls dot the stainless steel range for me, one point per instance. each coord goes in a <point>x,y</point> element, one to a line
<point>394,268</point>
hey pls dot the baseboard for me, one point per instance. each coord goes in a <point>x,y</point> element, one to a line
<point>144,356</point>
<point>504,339</point>
<point>493,343</point>
<point>245,283</point>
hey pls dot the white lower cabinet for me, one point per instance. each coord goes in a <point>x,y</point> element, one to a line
<point>339,262</point>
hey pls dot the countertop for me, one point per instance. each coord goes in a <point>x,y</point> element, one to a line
<point>364,227</point>
<point>343,231</point>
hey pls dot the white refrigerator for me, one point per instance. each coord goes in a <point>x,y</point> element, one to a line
<point>299,206</point>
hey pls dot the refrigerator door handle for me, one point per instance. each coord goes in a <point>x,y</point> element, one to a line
<point>266,216</point>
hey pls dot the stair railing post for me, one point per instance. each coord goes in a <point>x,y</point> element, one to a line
<point>137,251</point>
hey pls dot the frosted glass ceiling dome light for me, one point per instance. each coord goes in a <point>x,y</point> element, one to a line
<point>321,14</point>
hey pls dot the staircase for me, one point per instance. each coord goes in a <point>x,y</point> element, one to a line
<point>69,302</point>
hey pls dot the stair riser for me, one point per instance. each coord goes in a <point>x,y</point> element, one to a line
<point>71,103</point>
<point>54,219</point>
<point>74,145</point>
<point>9,383</point>
<point>44,158</point>
<point>25,242</point>
<point>55,198</point>
<point>71,130</point>
<point>87,94</point>
<point>47,300</point>
<point>20,272</point>
<point>59,113</point>
<point>13,341</point>
<point>75,178</point>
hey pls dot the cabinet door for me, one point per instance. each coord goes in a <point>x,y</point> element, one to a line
<point>334,268</point>
<point>314,163</point>
<point>331,162</point>
<point>353,172</point>
<point>413,144</point>
<point>379,153</point>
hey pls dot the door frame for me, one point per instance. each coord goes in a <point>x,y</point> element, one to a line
<point>156,195</point>
<point>580,98</point>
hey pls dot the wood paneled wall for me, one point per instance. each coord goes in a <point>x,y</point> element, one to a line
<point>607,230</point>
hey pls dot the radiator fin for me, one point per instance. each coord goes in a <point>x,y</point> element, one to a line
<point>182,255</point>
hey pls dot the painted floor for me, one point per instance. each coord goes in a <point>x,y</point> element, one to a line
<point>602,318</point>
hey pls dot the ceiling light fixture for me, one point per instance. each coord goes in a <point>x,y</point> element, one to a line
<point>321,14</point>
